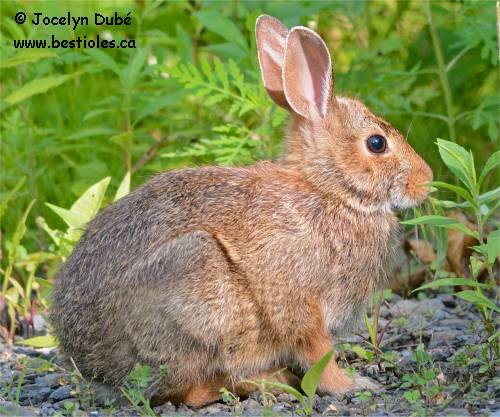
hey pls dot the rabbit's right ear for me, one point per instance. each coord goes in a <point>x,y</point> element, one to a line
<point>307,73</point>
<point>271,35</point>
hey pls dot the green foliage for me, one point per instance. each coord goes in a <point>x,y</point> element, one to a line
<point>424,383</point>
<point>20,277</point>
<point>461,163</point>
<point>309,384</point>
<point>135,388</point>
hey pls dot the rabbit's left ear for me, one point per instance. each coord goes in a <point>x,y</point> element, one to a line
<point>271,35</point>
<point>307,73</point>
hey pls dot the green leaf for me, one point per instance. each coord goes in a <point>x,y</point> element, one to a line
<point>493,246</point>
<point>207,70</point>
<point>451,282</point>
<point>14,244</point>
<point>39,341</point>
<point>288,389</point>
<point>73,220</point>
<point>478,299</point>
<point>361,352</point>
<point>123,188</point>
<point>462,192</point>
<point>475,265</point>
<point>441,221</point>
<point>6,200</point>
<point>27,56</point>
<point>492,162</point>
<point>312,377</point>
<point>90,132</point>
<point>223,26</point>
<point>412,396</point>
<point>104,58</point>
<point>459,161</point>
<point>131,73</point>
<point>90,201</point>
<point>221,73</point>
<point>123,140</point>
<point>159,103</point>
<point>38,86</point>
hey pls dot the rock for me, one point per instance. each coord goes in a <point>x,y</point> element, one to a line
<point>11,409</point>
<point>47,410</point>
<point>61,393</point>
<point>440,353</point>
<point>384,311</point>
<point>286,398</point>
<point>440,314</point>
<point>444,338</point>
<point>166,409</point>
<point>39,325</point>
<point>448,300</point>
<point>411,307</point>
<point>49,380</point>
<point>34,394</point>
<point>328,405</point>
<point>468,339</point>
<point>216,409</point>
<point>250,404</point>
<point>455,323</point>
<point>184,410</point>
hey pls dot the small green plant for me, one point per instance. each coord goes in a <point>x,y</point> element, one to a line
<point>232,400</point>
<point>22,288</point>
<point>482,205</point>
<point>135,387</point>
<point>376,336</point>
<point>309,384</point>
<point>6,391</point>
<point>423,383</point>
<point>366,401</point>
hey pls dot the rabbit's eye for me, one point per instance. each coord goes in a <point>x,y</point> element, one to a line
<point>376,144</point>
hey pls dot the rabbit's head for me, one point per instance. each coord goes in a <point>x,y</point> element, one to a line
<point>341,147</point>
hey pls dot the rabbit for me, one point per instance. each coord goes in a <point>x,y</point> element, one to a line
<point>224,274</point>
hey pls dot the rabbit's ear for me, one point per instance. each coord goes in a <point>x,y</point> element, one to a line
<point>307,73</point>
<point>271,36</point>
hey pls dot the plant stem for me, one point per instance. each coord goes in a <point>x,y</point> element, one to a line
<point>443,75</point>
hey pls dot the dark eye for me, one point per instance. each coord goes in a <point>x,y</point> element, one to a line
<point>376,144</point>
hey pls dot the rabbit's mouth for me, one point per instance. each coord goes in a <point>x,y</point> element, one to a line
<point>411,196</point>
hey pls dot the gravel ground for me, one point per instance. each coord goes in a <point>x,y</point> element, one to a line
<point>448,376</point>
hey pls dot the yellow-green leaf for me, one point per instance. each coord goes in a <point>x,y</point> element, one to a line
<point>38,86</point>
<point>27,56</point>
<point>39,341</point>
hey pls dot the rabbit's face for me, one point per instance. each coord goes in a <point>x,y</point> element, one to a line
<point>343,148</point>
<point>378,165</point>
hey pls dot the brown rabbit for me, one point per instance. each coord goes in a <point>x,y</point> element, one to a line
<point>222,274</point>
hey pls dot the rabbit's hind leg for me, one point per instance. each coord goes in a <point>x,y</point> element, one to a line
<point>334,379</point>
<point>209,392</point>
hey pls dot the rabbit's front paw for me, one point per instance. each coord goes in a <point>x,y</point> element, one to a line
<point>336,383</point>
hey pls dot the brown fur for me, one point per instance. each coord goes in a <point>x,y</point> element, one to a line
<point>223,274</point>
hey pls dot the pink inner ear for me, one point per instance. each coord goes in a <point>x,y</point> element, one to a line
<point>307,73</point>
<point>271,40</point>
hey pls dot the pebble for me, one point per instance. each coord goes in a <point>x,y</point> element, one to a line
<point>33,393</point>
<point>49,380</point>
<point>61,393</point>
<point>413,307</point>
<point>444,323</point>
<point>448,300</point>
<point>444,338</point>
<point>440,353</point>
